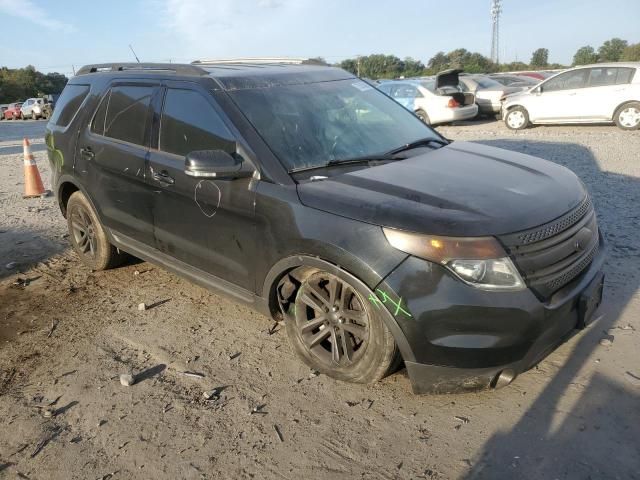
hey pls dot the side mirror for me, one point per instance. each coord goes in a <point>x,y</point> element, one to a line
<point>216,164</point>
<point>538,90</point>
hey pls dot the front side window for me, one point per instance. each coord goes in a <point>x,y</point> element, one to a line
<point>405,91</point>
<point>127,113</point>
<point>567,81</point>
<point>68,104</point>
<point>311,124</point>
<point>190,123</point>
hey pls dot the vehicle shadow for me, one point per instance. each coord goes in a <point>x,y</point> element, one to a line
<point>598,435</point>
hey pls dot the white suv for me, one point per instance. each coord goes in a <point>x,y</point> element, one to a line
<point>606,92</point>
<point>33,108</point>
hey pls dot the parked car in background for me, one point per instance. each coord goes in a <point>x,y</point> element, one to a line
<point>516,81</point>
<point>33,108</point>
<point>488,92</point>
<point>3,107</point>
<point>434,100</point>
<point>536,75</point>
<point>605,92</point>
<point>13,111</point>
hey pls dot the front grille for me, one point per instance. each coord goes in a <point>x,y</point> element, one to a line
<point>552,255</point>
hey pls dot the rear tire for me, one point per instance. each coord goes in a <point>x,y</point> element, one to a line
<point>335,330</point>
<point>88,237</point>
<point>517,118</point>
<point>422,115</point>
<point>627,117</point>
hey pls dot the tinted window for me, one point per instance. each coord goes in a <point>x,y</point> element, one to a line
<point>486,82</point>
<point>625,75</point>
<point>97,125</point>
<point>68,104</point>
<point>567,81</point>
<point>127,113</point>
<point>190,123</point>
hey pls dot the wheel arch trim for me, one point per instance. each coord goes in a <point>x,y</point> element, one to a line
<point>295,261</point>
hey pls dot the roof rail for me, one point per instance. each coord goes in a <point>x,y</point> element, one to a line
<point>177,68</point>
<point>252,61</point>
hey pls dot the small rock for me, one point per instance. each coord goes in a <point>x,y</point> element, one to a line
<point>142,306</point>
<point>126,379</point>
<point>10,265</point>
<point>314,373</point>
<point>606,342</point>
<point>211,394</point>
<point>136,273</point>
<point>101,423</point>
<point>47,412</point>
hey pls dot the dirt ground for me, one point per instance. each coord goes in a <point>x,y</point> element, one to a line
<point>66,335</point>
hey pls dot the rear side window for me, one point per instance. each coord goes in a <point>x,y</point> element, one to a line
<point>190,123</point>
<point>127,113</point>
<point>97,125</point>
<point>625,75</point>
<point>68,104</point>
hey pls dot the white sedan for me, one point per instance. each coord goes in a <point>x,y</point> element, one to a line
<point>605,92</point>
<point>432,104</point>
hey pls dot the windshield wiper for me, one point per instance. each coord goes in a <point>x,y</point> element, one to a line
<point>350,161</point>
<point>418,143</point>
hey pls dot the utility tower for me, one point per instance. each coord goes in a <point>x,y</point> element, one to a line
<point>496,10</point>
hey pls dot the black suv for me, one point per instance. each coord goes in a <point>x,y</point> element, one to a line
<point>309,195</point>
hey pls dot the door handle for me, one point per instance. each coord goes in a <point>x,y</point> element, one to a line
<point>163,178</point>
<point>87,153</point>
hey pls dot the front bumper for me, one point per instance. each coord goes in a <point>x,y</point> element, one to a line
<point>461,338</point>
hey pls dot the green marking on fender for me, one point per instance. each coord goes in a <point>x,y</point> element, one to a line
<point>375,300</point>
<point>384,296</point>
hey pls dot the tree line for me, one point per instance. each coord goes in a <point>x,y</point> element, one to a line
<point>389,66</point>
<point>18,84</point>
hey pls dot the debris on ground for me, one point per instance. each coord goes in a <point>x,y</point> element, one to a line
<point>632,378</point>
<point>142,306</point>
<point>278,432</point>
<point>258,410</point>
<point>126,379</point>
<point>212,394</point>
<point>606,341</point>
<point>192,374</point>
<point>234,356</point>
<point>10,265</point>
<point>54,324</point>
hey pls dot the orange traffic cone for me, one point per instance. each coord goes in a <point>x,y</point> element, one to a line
<point>32,182</point>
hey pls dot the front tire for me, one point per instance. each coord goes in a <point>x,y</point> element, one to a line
<point>336,331</point>
<point>88,237</point>
<point>517,118</point>
<point>627,117</point>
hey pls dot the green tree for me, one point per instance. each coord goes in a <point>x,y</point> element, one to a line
<point>631,53</point>
<point>438,62</point>
<point>540,58</point>
<point>611,50</point>
<point>585,55</point>
<point>22,83</point>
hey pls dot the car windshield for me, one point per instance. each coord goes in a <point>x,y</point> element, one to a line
<point>311,124</point>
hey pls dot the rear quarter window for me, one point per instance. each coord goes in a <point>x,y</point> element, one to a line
<point>68,104</point>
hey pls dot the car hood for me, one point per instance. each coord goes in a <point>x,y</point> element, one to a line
<point>463,189</point>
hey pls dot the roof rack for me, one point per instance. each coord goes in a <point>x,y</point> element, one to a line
<point>184,69</point>
<point>252,61</point>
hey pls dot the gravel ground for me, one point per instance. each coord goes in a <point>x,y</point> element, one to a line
<point>69,333</point>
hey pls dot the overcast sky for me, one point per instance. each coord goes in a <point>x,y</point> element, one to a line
<point>53,35</point>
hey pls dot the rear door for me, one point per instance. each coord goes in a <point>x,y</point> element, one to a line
<point>205,223</point>
<point>112,151</point>
<point>607,87</point>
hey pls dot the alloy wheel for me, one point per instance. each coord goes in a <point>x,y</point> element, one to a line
<point>331,320</point>
<point>83,231</point>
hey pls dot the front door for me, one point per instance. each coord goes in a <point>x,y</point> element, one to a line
<point>111,153</point>
<point>560,97</point>
<point>205,223</point>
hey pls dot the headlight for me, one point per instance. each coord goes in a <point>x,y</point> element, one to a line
<point>477,261</point>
